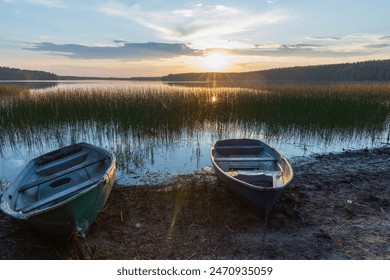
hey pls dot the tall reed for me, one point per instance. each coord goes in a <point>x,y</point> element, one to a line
<point>160,115</point>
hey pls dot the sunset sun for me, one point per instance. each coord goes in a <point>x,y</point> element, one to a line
<point>215,61</point>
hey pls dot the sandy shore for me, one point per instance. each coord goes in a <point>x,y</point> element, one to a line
<point>337,207</point>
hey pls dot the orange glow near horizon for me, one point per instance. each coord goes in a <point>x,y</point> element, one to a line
<point>216,61</point>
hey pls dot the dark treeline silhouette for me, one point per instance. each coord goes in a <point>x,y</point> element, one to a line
<point>7,73</point>
<point>377,70</point>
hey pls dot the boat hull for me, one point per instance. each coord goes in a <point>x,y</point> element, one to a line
<point>252,169</point>
<point>59,208</point>
<point>259,197</point>
<point>77,215</point>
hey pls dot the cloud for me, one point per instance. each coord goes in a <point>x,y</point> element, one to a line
<point>323,38</point>
<point>120,41</point>
<point>195,23</point>
<point>342,47</point>
<point>378,46</point>
<point>351,44</point>
<point>123,51</point>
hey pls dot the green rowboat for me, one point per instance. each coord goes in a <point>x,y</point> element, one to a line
<point>63,191</point>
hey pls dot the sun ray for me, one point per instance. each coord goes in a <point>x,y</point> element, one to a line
<point>215,61</point>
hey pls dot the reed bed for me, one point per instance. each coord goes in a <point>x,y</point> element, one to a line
<point>8,90</point>
<point>162,114</point>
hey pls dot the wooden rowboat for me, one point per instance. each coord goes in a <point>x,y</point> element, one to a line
<point>252,169</point>
<point>62,191</point>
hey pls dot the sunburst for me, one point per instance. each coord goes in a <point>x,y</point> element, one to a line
<point>215,61</point>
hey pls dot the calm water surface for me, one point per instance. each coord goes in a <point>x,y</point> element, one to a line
<point>154,158</point>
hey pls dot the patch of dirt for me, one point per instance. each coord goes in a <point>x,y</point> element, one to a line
<point>337,207</point>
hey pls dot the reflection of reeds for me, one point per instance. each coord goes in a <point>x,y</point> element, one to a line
<point>162,114</point>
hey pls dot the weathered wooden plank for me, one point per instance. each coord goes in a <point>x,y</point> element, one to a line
<point>63,163</point>
<point>59,174</point>
<point>243,159</point>
<point>239,147</point>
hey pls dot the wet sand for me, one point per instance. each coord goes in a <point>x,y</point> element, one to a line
<point>337,207</point>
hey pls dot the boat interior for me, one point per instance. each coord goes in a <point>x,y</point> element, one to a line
<point>250,163</point>
<point>57,176</point>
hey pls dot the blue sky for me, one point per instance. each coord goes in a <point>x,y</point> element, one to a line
<point>125,38</point>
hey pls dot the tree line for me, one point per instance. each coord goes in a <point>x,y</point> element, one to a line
<point>376,70</point>
<point>7,73</point>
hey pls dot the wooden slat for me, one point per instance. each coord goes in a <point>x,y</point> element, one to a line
<point>58,154</point>
<point>239,147</point>
<point>233,159</point>
<point>59,174</point>
<point>60,162</point>
<point>259,172</point>
<point>56,196</point>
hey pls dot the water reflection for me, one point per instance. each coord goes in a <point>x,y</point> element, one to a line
<point>31,84</point>
<point>157,130</point>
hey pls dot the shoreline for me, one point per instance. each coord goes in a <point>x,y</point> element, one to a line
<point>337,207</point>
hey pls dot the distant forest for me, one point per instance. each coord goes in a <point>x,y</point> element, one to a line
<point>377,70</point>
<point>7,73</point>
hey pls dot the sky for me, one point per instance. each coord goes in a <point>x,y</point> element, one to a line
<point>127,38</point>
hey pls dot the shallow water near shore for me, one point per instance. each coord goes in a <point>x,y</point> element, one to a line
<point>183,156</point>
<point>165,140</point>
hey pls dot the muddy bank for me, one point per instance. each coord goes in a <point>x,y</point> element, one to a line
<point>337,207</point>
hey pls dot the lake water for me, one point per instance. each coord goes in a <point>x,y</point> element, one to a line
<point>152,159</point>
